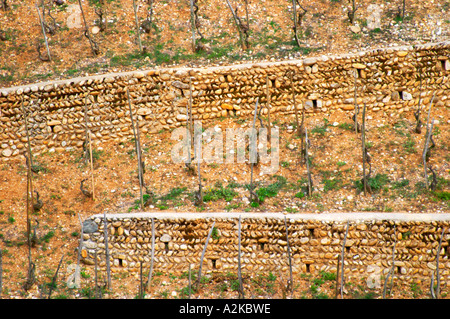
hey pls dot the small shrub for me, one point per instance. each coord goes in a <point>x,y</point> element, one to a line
<point>340,163</point>
<point>285,164</point>
<point>46,238</point>
<point>174,193</point>
<point>375,183</point>
<point>400,184</point>
<point>408,145</point>
<point>39,167</point>
<point>271,190</point>
<point>234,285</point>
<point>300,195</point>
<point>331,184</point>
<point>346,126</point>
<point>328,276</point>
<point>215,233</point>
<point>271,277</point>
<point>442,195</point>
<point>219,192</point>
<point>320,129</point>
<point>232,206</point>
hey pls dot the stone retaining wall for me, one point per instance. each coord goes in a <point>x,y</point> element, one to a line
<point>315,243</point>
<point>388,80</point>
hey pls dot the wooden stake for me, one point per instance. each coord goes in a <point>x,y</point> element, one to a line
<point>190,113</point>
<point>141,285</point>
<point>251,161</point>
<point>76,279</point>
<point>268,107</point>
<point>188,136</point>
<point>391,271</point>
<point>294,6</point>
<point>438,278</point>
<point>86,129</point>
<point>425,151</point>
<point>291,282</point>
<point>301,133</point>
<point>92,166</point>
<point>363,138</point>
<point>419,108</point>
<point>105,235</point>
<point>93,45</point>
<point>138,32</point>
<point>150,273</point>
<point>1,272</point>
<point>97,291</point>
<point>189,280</point>
<point>194,46</point>
<point>198,156</point>
<point>43,32</point>
<point>138,150</point>
<point>238,27</point>
<point>29,177</point>
<point>337,278</point>
<point>427,141</point>
<point>307,163</point>
<point>241,287</point>
<point>141,162</point>
<point>293,100</point>
<point>203,255</point>
<point>356,104</point>
<point>342,261</point>
<point>54,277</point>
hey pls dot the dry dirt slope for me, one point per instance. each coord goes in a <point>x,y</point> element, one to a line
<point>336,166</point>
<point>325,29</point>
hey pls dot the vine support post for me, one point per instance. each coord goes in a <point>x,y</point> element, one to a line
<point>43,32</point>
<point>138,150</point>
<point>363,142</point>
<point>203,255</point>
<point>194,45</point>
<point>342,260</point>
<point>241,287</point>
<point>253,138</point>
<point>138,31</point>
<point>150,274</point>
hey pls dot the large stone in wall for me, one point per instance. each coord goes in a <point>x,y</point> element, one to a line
<point>6,152</point>
<point>89,226</point>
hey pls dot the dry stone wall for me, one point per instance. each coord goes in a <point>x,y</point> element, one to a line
<point>390,80</point>
<point>315,242</point>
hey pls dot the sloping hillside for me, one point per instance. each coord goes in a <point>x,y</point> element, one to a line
<point>324,28</point>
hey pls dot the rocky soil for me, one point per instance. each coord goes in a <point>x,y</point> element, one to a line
<point>335,165</point>
<point>325,28</point>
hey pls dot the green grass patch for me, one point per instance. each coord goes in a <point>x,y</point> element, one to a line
<point>375,183</point>
<point>320,129</point>
<point>219,192</point>
<point>271,190</point>
<point>173,193</point>
<point>400,184</point>
<point>442,195</point>
<point>331,184</point>
<point>346,126</point>
<point>300,195</point>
